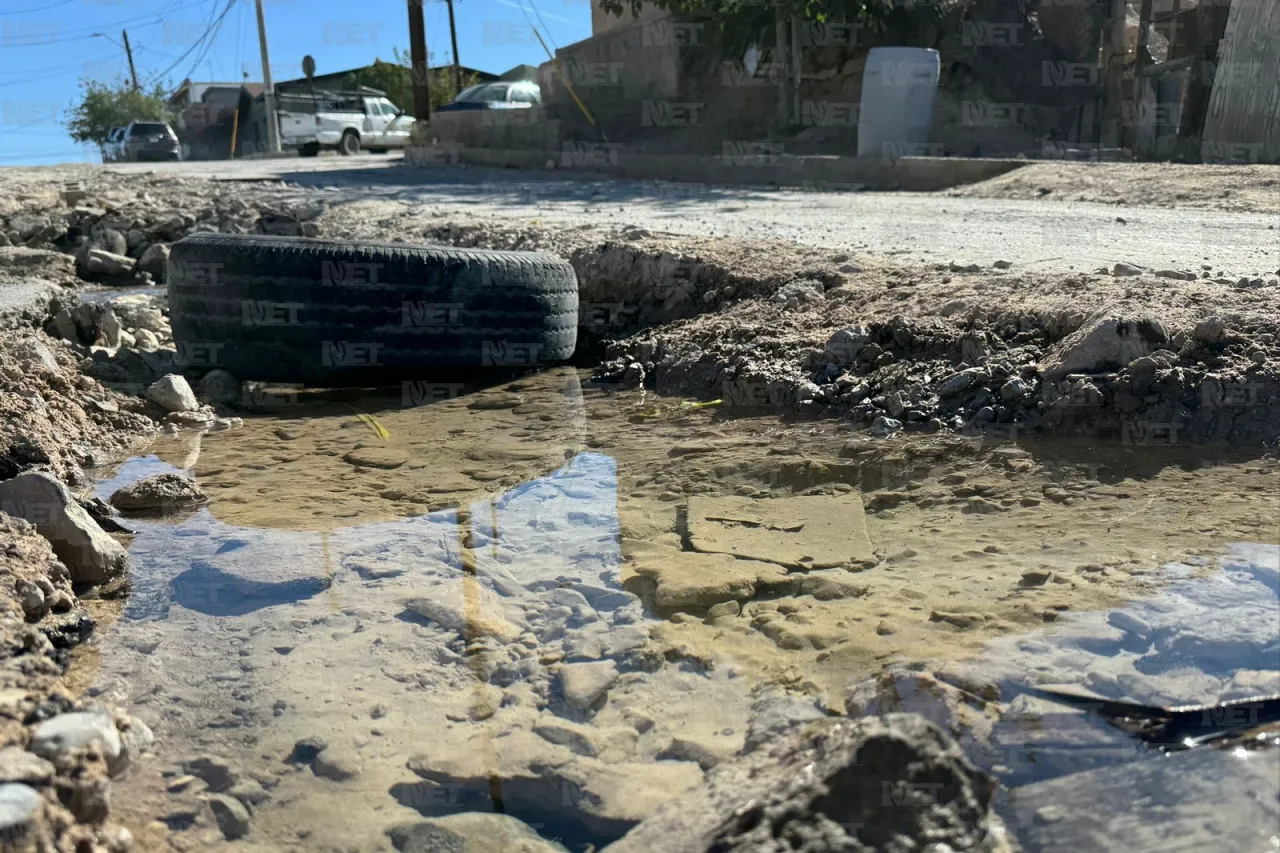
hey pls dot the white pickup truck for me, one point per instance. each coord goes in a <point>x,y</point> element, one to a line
<point>342,122</point>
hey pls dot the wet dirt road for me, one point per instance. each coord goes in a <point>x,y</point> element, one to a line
<point>514,601</point>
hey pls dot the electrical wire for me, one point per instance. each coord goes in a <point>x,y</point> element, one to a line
<point>196,44</point>
<point>42,8</point>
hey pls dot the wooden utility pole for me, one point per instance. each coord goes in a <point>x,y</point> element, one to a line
<point>418,56</point>
<point>453,39</point>
<point>268,91</point>
<point>128,51</point>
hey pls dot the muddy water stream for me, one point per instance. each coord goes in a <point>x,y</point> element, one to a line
<point>566,604</point>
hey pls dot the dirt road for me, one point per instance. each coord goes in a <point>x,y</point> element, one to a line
<point>1038,235</point>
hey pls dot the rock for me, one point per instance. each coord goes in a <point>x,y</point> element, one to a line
<point>773,712</point>
<point>726,609</point>
<point>173,394</point>
<point>306,749</point>
<point>18,765</point>
<point>146,340</point>
<point>135,738</point>
<point>1126,270</point>
<point>633,376</point>
<point>216,772</point>
<point>64,733</point>
<point>108,329</point>
<point>957,382</point>
<point>706,752</point>
<point>1209,330</point>
<point>155,260</point>
<point>89,553</point>
<point>1035,577</point>
<point>112,241</point>
<point>956,266</point>
<point>798,294</point>
<point>891,783</point>
<point>885,427</point>
<point>28,225</point>
<point>1002,265</point>
<point>1129,623</point>
<point>98,262</point>
<point>219,386</point>
<point>337,764</point>
<point>30,597</point>
<point>1104,342</point>
<point>470,832</point>
<point>20,810</point>
<point>162,494</point>
<point>681,579</point>
<point>249,792</point>
<point>1013,389</point>
<point>844,346</point>
<point>585,686</point>
<point>231,815</point>
<point>62,326</point>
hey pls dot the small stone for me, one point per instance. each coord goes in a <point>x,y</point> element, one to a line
<point>216,772</point>
<point>20,808</point>
<point>1129,623</point>
<point>885,427</point>
<point>155,261</point>
<point>30,596</point>
<point>231,815</point>
<point>585,686</point>
<point>249,792</point>
<point>146,339</point>
<point>306,750</point>
<point>1209,330</point>
<point>163,494</point>
<point>18,765</point>
<point>1035,577</point>
<point>219,386</point>
<point>1013,389</point>
<point>1125,270</point>
<point>724,608</point>
<point>1002,265</point>
<point>337,764</point>
<point>173,394</point>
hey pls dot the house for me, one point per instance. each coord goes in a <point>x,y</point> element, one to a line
<point>343,79</point>
<point>207,113</point>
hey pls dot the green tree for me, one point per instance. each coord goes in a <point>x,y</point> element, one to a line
<point>105,106</point>
<point>396,79</point>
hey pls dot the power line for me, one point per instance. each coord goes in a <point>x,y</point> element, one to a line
<point>42,8</point>
<point>197,43</point>
<point>154,17</point>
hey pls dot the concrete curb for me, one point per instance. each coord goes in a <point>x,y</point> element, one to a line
<point>833,174</point>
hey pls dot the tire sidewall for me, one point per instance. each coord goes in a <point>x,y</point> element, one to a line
<point>350,143</point>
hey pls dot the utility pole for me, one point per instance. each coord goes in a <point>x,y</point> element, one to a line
<point>268,92</point>
<point>453,39</point>
<point>128,51</point>
<point>418,56</point>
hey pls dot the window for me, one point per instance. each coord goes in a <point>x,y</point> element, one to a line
<point>147,128</point>
<point>526,95</point>
<point>388,109</point>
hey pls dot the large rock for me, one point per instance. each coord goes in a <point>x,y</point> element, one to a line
<point>173,394</point>
<point>155,260</point>
<point>231,815</point>
<point>88,552</point>
<point>20,810</point>
<point>163,494</point>
<point>893,783</point>
<point>470,832</point>
<point>99,262</point>
<point>1105,342</point>
<point>65,733</point>
<point>219,386</point>
<point>473,612</point>
<point>680,579</point>
<point>18,765</point>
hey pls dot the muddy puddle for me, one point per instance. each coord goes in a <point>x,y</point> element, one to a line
<point>566,604</point>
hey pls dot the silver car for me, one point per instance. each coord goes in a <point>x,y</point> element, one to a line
<point>112,148</point>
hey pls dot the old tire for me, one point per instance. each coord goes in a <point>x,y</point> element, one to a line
<point>350,143</point>
<point>293,309</point>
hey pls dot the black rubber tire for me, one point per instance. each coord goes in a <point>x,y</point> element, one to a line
<point>320,312</point>
<point>350,143</point>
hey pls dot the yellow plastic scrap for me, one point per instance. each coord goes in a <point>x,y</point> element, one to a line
<point>378,429</point>
<point>688,405</point>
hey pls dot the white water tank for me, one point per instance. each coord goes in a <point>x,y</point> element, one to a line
<point>899,85</point>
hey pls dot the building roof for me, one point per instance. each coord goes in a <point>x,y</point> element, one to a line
<point>481,76</point>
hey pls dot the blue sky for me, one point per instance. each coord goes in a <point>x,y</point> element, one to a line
<point>46,46</point>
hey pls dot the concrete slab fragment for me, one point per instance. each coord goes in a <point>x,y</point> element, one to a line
<point>809,532</point>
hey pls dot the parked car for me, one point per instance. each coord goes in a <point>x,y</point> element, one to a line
<point>345,123</point>
<point>496,96</point>
<point>149,140</point>
<point>111,149</point>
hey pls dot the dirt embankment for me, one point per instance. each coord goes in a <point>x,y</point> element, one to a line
<point>1253,189</point>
